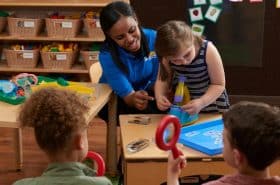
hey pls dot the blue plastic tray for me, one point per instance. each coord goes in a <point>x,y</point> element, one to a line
<point>205,137</point>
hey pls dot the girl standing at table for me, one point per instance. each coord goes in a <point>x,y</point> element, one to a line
<point>182,53</point>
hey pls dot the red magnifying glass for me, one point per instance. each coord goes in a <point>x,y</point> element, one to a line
<point>167,134</point>
<point>95,157</point>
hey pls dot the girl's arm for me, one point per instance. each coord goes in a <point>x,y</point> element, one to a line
<point>216,74</point>
<point>162,88</point>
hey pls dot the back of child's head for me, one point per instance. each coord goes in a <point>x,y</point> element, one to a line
<point>56,116</point>
<point>254,129</point>
<point>172,36</point>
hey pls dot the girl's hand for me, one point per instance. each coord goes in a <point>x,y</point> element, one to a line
<point>194,106</point>
<point>163,103</point>
<point>174,167</point>
<point>141,99</point>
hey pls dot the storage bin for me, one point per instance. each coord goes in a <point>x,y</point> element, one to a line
<point>64,28</point>
<point>58,60</point>
<point>89,57</point>
<point>3,22</point>
<point>22,58</point>
<point>93,28</point>
<point>24,27</point>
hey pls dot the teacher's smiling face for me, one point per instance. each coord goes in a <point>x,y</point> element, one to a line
<point>125,32</point>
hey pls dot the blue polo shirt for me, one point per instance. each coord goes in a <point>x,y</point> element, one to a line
<point>141,69</point>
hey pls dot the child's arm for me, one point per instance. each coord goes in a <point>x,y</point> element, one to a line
<point>161,89</point>
<point>217,81</point>
<point>174,167</point>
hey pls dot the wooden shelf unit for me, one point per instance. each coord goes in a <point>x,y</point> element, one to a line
<point>56,3</point>
<point>76,68</point>
<point>43,37</point>
<point>29,6</point>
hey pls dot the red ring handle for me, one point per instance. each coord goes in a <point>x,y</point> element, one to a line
<point>99,161</point>
<point>166,120</point>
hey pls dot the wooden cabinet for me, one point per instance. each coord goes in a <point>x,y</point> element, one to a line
<point>41,9</point>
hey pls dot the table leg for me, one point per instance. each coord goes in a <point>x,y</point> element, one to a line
<point>18,148</point>
<point>111,149</point>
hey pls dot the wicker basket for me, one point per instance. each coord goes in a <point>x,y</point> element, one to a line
<point>90,57</point>
<point>22,58</point>
<point>64,28</point>
<point>24,27</point>
<point>93,29</point>
<point>58,60</point>
<point>3,21</point>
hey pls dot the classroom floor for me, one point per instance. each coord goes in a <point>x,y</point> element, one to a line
<point>34,160</point>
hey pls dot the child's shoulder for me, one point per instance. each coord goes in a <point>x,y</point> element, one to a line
<point>80,180</point>
<point>98,181</point>
<point>26,181</point>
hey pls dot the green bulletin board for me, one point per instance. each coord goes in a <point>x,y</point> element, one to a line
<point>237,32</point>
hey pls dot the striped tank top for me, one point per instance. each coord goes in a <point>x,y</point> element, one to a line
<point>198,81</point>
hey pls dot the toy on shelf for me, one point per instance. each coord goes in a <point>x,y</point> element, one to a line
<point>182,97</point>
<point>8,93</point>
<point>23,47</point>
<point>60,47</point>
<point>24,81</point>
<point>20,87</point>
<point>87,92</point>
<point>16,90</point>
<point>56,15</point>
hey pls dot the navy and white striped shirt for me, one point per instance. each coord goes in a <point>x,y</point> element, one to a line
<point>198,80</point>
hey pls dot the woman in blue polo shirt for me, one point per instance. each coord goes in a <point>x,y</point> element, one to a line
<point>128,59</point>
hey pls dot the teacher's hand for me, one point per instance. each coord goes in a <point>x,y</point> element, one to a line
<point>141,99</point>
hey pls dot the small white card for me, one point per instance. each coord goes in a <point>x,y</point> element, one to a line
<point>236,0</point>
<point>98,23</point>
<point>27,55</point>
<point>28,24</point>
<point>60,56</point>
<point>277,3</point>
<point>198,29</point>
<point>93,56</point>
<point>214,2</point>
<point>199,2</point>
<point>66,25</point>
<point>195,14</point>
<point>213,13</point>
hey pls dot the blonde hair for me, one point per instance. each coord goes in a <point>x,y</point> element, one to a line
<point>172,36</point>
<point>56,115</point>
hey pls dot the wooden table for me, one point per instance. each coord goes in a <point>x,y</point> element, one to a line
<point>149,166</point>
<point>9,113</point>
